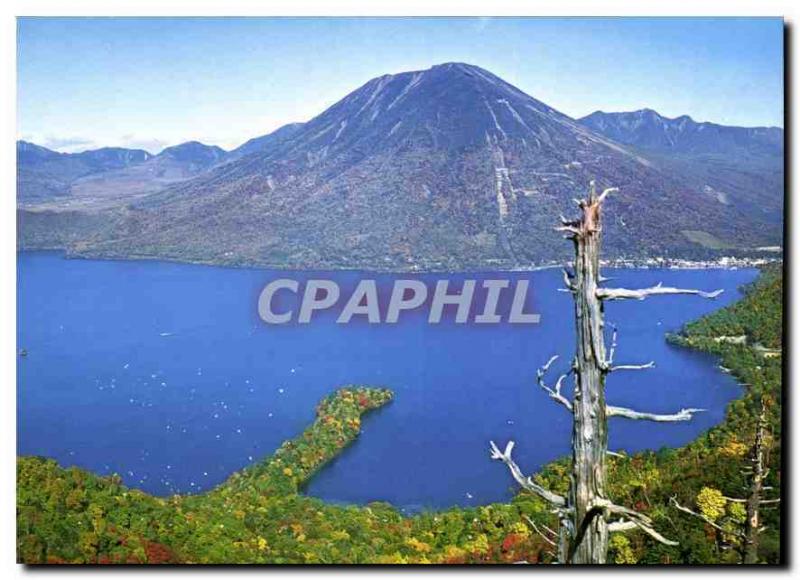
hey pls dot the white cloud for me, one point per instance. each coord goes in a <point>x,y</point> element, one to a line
<point>62,144</point>
<point>77,144</point>
<point>150,144</point>
<point>68,144</point>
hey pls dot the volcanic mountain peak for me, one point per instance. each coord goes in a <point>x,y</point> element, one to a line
<point>448,108</point>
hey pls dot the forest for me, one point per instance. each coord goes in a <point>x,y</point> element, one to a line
<point>695,494</point>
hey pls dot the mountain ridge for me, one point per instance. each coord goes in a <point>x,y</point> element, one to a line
<point>738,165</point>
<point>43,173</point>
<point>648,128</point>
<point>450,167</point>
<point>108,173</point>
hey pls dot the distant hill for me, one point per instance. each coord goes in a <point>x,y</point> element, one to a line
<point>738,165</point>
<point>649,130</point>
<point>444,168</point>
<point>43,173</point>
<point>193,156</point>
<point>172,165</point>
<point>30,153</point>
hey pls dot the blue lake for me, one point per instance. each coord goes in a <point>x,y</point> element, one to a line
<point>164,374</point>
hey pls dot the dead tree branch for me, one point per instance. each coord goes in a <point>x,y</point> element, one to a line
<point>682,415</point>
<point>622,526</point>
<point>609,367</point>
<point>606,192</point>
<point>613,349</point>
<point>638,519</point>
<point>544,536</point>
<point>642,293</point>
<point>649,365</point>
<point>707,520</point>
<point>526,482</point>
<point>553,392</point>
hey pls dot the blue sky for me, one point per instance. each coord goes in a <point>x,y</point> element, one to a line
<point>88,82</point>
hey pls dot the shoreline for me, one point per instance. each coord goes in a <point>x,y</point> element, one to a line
<point>721,263</point>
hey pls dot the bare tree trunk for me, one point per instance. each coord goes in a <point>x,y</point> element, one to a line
<point>586,515</point>
<point>564,539</point>
<point>748,537</point>
<point>589,427</point>
<point>753,523</point>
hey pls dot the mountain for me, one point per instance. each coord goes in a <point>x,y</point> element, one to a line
<point>265,142</point>
<point>192,155</point>
<point>172,165</point>
<point>30,153</point>
<point>108,158</point>
<point>106,177</point>
<point>42,173</point>
<point>444,168</point>
<point>649,130</point>
<point>739,165</point>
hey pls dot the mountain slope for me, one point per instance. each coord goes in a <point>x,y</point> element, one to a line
<point>172,165</point>
<point>265,142</point>
<point>449,167</point>
<point>42,173</point>
<point>649,130</point>
<point>739,165</point>
<point>194,156</point>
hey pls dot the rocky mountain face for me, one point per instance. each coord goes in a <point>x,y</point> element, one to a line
<point>444,168</point>
<point>738,165</point>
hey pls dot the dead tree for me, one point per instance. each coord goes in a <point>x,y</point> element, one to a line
<point>752,526</point>
<point>587,515</point>
<point>758,472</point>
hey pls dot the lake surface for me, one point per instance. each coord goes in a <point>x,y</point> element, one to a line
<point>164,374</point>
